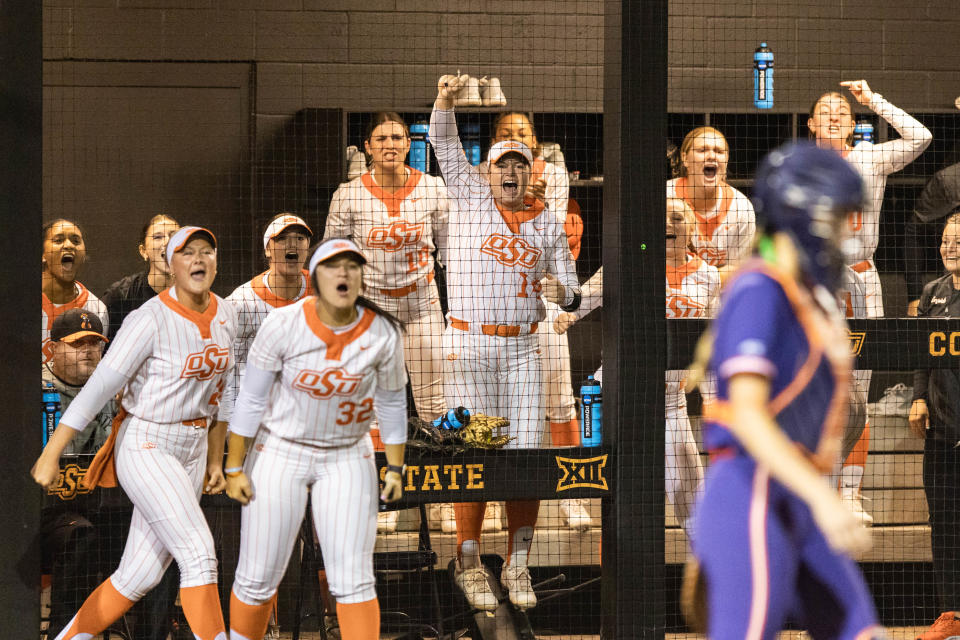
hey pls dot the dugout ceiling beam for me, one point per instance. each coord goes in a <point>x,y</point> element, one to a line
<point>634,331</point>
<point>20,174</point>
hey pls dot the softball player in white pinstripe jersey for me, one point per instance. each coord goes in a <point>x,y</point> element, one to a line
<point>286,241</point>
<point>172,356</point>
<point>317,372</point>
<point>500,247</point>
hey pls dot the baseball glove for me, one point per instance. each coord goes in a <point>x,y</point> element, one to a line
<point>479,432</point>
<point>425,439</point>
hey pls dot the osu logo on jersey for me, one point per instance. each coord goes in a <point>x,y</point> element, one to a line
<point>207,363</point>
<point>713,257</point>
<point>395,236</point>
<point>511,251</point>
<point>681,306</point>
<point>326,383</point>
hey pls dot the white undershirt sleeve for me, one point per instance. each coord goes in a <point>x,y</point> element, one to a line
<point>252,400</point>
<point>391,410</point>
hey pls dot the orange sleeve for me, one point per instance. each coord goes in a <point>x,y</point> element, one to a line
<point>573,226</point>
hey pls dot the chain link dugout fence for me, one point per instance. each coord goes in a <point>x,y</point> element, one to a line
<point>226,115</point>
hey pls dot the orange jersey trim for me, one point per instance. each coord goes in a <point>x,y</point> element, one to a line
<point>835,417</point>
<point>202,320</point>
<point>53,311</point>
<point>573,227</point>
<point>515,218</point>
<point>392,201</point>
<point>335,341</point>
<point>706,225</point>
<point>675,275</point>
<point>259,286</point>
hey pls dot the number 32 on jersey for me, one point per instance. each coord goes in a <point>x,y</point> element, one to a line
<point>336,382</point>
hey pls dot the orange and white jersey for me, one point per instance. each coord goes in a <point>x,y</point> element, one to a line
<point>398,231</point>
<point>557,192</point>
<point>724,235</point>
<point>692,292</point>
<point>50,311</point>
<point>253,300</point>
<point>495,258</point>
<point>177,360</point>
<point>875,162</point>
<point>323,393</point>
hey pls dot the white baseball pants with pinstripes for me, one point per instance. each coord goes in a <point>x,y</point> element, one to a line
<point>161,468</point>
<point>344,488</point>
<point>497,376</point>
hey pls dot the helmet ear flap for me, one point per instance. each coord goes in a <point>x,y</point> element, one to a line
<point>806,192</point>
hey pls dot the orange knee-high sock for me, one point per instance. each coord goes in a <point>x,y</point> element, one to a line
<point>359,621</point>
<point>326,599</point>
<point>249,621</point>
<point>101,608</point>
<point>858,455</point>
<point>520,513</point>
<point>377,442</point>
<point>469,517</point>
<point>201,608</point>
<point>565,434</point>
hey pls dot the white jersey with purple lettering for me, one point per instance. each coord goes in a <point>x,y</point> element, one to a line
<point>50,311</point>
<point>323,395</point>
<point>177,360</point>
<point>724,236</point>
<point>495,258</point>
<point>397,231</point>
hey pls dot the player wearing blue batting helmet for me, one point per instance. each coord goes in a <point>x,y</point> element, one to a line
<point>806,192</point>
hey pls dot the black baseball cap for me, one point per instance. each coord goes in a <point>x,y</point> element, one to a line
<point>76,324</point>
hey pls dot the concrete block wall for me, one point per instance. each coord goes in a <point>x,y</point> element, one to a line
<point>547,53</point>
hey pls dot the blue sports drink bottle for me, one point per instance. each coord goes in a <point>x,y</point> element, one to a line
<point>51,411</point>
<point>591,413</point>
<point>763,77</point>
<point>419,157</point>
<point>453,419</point>
<point>862,132</point>
<point>471,143</point>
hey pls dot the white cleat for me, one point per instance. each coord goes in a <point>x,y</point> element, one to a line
<point>575,514</point>
<point>854,502</point>
<point>473,583</point>
<point>387,521</point>
<point>491,94</point>
<point>516,580</point>
<point>492,517</point>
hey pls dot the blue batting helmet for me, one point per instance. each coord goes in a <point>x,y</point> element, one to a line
<point>806,192</point>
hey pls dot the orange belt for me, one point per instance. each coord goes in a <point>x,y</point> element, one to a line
<point>196,422</point>
<point>502,330</point>
<point>404,291</point>
<point>863,265</point>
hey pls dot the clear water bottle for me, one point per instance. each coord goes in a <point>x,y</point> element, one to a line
<point>453,419</point>
<point>763,77</point>
<point>419,157</point>
<point>591,413</point>
<point>862,132</point>
<point>471,143</point>
<point>51,410</point>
